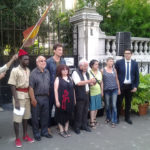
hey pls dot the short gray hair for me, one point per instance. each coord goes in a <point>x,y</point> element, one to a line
<point>83,61</point>
<point>109,58</point>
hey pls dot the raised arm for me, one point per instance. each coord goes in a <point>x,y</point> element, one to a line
<point>14,57</point>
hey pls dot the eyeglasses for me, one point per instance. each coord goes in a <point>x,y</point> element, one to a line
<point>42,60</point>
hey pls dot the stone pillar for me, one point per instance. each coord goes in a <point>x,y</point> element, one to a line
<point>91,40</point>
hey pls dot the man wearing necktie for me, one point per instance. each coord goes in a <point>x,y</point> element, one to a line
<point>128,75</point>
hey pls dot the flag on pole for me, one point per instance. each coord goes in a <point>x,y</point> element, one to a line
<point>31,33</point>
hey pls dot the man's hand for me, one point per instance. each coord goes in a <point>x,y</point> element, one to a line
<point>34,102</point>
<point>93,80</point>
<point>17,104</point>
<point>15,57</point>
<point>134,90</point>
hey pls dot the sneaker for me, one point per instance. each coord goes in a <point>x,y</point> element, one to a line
<point>18,143</point>
<point>28,139</point>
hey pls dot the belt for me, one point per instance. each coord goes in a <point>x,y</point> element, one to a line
<point>26,90</point>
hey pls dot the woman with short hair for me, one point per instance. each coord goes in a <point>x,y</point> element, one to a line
<point>95,92</point>
<point>111,89</point>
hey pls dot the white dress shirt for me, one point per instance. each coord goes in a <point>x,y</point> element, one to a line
<point>76,79</point>
<point>129,80</point>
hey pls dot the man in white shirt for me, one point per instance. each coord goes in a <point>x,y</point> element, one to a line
<point>82,81</point>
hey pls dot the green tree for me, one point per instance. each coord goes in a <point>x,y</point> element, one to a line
<point>15,17</point>
<point>129,15</point>
<point>123,15</point>
<point>22,14</point>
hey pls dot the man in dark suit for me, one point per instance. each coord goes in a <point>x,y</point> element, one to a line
<point>128,75</point>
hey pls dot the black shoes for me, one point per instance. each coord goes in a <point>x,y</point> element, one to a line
<point>37,138</point>
<point>47,136</point>
<point>77,130</point>
<point>86,129</point>
<point>128,121</point>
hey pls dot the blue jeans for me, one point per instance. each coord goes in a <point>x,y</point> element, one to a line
<point>110,103</point>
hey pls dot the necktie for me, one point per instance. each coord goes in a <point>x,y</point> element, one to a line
<point>127,77</point>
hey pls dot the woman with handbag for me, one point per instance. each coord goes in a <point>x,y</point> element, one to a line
<point>95,92</point>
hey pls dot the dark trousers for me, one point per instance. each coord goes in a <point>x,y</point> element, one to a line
<point>51,104</point>
<point>40,113</point>
<point>81,113</point>
<point>127,94</point>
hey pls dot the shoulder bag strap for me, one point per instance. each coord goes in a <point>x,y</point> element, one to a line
<point>95,77</point>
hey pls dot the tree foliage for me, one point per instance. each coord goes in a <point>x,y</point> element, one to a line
<point>18,15</point>
<point>15,17</point>
<point>23,9</point>
<point>124,15</point>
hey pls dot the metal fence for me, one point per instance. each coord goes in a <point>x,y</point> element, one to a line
<point>51,32</point>
<point>144,67</point>
<point>11,38</point>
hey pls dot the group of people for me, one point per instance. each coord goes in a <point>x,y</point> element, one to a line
<point>73,95</point>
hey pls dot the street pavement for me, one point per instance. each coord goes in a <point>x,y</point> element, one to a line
<point>104,137</point>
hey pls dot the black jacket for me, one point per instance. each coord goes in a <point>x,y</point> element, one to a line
<point>120,67</point>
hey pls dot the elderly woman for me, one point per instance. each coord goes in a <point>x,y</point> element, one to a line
<point>95,92</point>
<point>64,98</point>
<point>111,89</point>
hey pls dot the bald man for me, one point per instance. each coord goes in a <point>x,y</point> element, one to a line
<point>39,85</point>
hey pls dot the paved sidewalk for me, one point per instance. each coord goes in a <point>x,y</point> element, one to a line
<point>104,137</point>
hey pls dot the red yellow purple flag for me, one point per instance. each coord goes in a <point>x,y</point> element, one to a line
<point>31,33</point>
